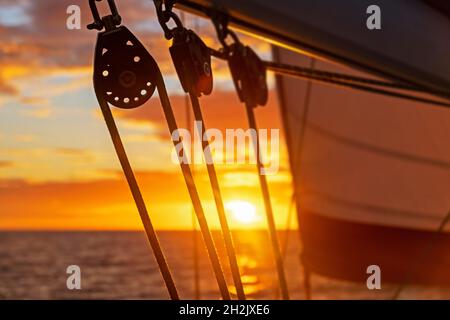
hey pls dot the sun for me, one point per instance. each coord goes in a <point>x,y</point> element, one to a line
<point>242,211</point>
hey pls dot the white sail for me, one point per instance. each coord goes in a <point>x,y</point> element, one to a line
<point>373,181</point>
<point>373,178</point>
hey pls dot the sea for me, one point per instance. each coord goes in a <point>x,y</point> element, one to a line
<point>120,265</point>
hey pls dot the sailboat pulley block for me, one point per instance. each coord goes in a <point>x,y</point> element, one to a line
<point>192,60</point>
<point>248,73</point>
<point>124,71</point>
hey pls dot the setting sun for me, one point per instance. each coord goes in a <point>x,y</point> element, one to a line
<point>242,211</point>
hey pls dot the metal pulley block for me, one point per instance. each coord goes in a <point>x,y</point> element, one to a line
<point>192,60</point>
<point>249,74</point>
<point>124,72</point>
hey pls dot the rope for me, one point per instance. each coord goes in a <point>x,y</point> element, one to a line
<point>287,228</point>
<point>193,193</point>
<point>197,292</point>
<point>140,204</point>
<point>349,81</point>
<point>295,161</point>
<point>297,158</point>
<point>285,246</point>
<point>217,197</point>
<point>268,206</point>
<point>223,32</point>
<point>292,69</point>
<point>194,222</point>
<point>165,14</point>
<point>357,86</point>
<point>186,63</point>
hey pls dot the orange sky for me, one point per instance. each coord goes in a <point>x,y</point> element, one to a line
<point>58,169</point>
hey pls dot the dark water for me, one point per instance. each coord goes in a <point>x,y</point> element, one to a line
<point>120,265</point>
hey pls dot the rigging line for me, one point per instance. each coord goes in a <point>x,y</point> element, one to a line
<point>249,77</point>
<point>112,55</point>
<point>297,158</point>
<point>217,196</point>
<point>194,222</point>
<point>267,204</point>
<point>292,70</point>
<point>348,80</point>
<point>188,52</point>
<point>214,181</point>
<point>193,192</point>
<point>349,84</point>
<point>288,227</point>
<point>297,155</point>
<point>197,292</point>
<point>197,266</point>
<point>113,31</point>
<point>140,204</point>
<point>421,255</point>
<point>285,243</point>
<point>367,88</point>
<point>165,14</point>
<point>304,121</point>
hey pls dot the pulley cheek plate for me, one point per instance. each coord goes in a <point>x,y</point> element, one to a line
<point>124,71</point>
<point>192,61</point>
<point>249,74</point>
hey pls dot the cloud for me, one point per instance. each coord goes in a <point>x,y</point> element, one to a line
<point>71,152</point>
<point>42,64</point>
<point>7,88</point>
<point>107,203</point>
<point>6,164</point>
<point>38,113</point>
<point>216,108</point>
<point>34,101</point>
<point>88,204</point>
<point>39,41</point>
<point>25,137</point>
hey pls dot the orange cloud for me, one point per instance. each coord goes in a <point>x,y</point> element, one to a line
<point>5,164</point>
<point>77,188</point>
<point>107,204</point>
<point>217,109</point>
<point>39,113</point>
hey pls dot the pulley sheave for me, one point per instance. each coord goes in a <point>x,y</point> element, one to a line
<point>124,72</point>
<point>192,61</point>
<point>248,73</point>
